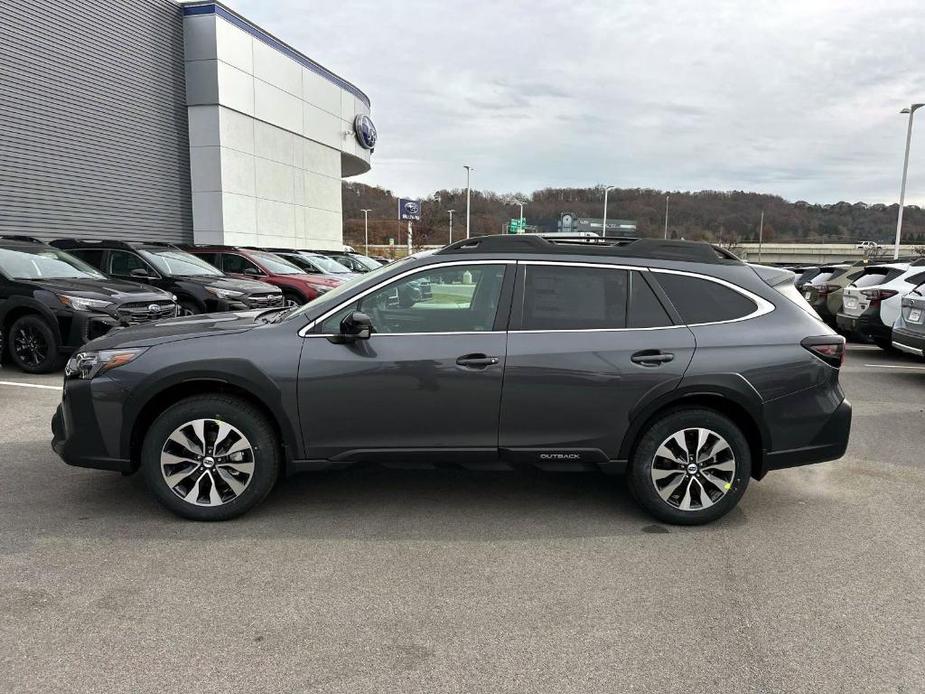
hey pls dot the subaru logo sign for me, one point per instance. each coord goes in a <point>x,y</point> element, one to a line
<point>365,131</point>
<point>154,308</point>
<point>409,209</point>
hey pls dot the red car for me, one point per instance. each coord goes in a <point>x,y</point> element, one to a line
<point>251,263</point>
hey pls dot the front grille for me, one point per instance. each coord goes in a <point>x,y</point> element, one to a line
<point>142,312</point>
<point>264,300</point>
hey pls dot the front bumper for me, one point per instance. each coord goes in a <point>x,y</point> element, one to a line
<point>76,434</point>
<point>829,443</point>
<point>909,341</point>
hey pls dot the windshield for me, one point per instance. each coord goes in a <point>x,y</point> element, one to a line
<point>174,262</point>
<point>366,261</point>
<point>333,297</point>
<point>326,264</point>
<point>275,264</point>
<point>45,263</point>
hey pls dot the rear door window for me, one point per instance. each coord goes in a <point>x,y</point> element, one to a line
<point>704,301</point>
<point>563,297</point>
<point>645,310</point>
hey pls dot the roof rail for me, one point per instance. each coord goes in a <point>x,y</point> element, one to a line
<point>692,251</point>
<point>108,243</point>
<point>24,239</point>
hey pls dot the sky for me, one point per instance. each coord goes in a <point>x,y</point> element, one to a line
<point>795,98</point>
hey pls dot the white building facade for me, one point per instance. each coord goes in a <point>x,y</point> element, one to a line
<point>271,135</point>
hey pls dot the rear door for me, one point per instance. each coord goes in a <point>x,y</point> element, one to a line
<point>587,342</point>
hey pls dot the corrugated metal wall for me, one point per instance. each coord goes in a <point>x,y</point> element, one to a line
<point>94,138</point>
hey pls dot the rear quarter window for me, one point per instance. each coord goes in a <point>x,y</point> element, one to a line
<point>704,301</point>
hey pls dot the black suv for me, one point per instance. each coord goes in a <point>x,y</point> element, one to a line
<point>198,286</point>
<point>51,303</point>
<point>670,360</point>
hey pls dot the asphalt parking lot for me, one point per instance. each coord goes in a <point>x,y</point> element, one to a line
<point>388,581</point>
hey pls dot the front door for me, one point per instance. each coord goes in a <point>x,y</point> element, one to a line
<point>428,381</point>
<point>587,343</point>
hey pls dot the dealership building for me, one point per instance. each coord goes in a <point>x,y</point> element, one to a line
<point>158,121</point>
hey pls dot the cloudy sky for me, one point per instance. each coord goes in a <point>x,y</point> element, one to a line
<point>798,98</point>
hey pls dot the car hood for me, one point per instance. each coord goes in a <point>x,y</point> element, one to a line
<point>232,283</point>
<point>174,329</point>
<point>116,291</point>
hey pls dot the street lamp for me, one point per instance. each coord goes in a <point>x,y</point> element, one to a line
<point>902,189</point>
<point>604,226</point>
<point>666,216</point>
<point>366,227</point>
<point>451,224</point>
<point>515,201</point>
<point>469,170</point>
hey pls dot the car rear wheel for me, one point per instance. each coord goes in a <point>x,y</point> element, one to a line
<point>210,457</point>
<point>33,346</point>
<point>690,467</point>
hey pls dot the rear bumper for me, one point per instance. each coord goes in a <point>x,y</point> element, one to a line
<point>867,324</point>
<point>830,443</point>
<point>909,342</point>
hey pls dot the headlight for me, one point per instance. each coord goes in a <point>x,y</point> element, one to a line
<point>224,293</point>
<point>86,365</point>
<point>79,303</point>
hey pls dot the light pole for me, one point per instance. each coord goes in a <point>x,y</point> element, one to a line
<point>607,189</point>
<point>514,201</point>
<point>469,170</point>
<point>451,224</point>
<point>366,228</point>
<point>902,189</point>
<point>760,234</point>
<point>666,215</point>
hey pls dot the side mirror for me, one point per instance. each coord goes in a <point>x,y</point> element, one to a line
<point>140,273</point>
<point>355,326</point>
<point>252,271</point>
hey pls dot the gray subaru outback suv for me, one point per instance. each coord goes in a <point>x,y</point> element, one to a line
<point>671,361</point>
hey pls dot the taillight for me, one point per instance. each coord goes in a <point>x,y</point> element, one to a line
<point>829,348</point>
<point>876,295</point>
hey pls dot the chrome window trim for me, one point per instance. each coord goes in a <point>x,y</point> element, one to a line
<point>463,332</point>
<point>324,316</point>
<point>763,306</point>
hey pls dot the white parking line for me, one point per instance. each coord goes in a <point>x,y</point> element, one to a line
<point>896,366</point>
<point>29,385</point>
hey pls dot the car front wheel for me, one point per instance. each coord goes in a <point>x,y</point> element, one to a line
<point>690,467</point>
<point>33,346</point>
<point>210,457</point>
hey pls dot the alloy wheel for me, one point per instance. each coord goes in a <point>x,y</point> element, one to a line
<point>207,462</point>
<point>693,469</point>
<point>30,346</point>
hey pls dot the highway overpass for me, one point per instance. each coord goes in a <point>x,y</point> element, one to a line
<point>813,253</point>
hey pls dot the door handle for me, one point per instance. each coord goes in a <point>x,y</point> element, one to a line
<point>651,357</point>
<point>476,361</point>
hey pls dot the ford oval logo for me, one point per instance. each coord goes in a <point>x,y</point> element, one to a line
<point>365,131</point>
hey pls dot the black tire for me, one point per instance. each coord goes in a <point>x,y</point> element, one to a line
<point>886,344</point>
<point>644,488</point>
<point>292,299</point>
<point>241,415</point>
<point>33,345</point>
<point>189,307</point>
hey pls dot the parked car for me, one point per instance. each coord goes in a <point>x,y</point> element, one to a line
<point>51,303</point>
<point>297,286</point>
<point>315,264</point>
<point>672,361</point>
<point>872,303</point>
<point>198,286</point>
<point>819,291</point>
<point>356,262</point>
<point>909,328</point>
<point>804,274</point>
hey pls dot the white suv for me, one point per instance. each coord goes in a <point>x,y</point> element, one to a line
<point>873,302</point>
